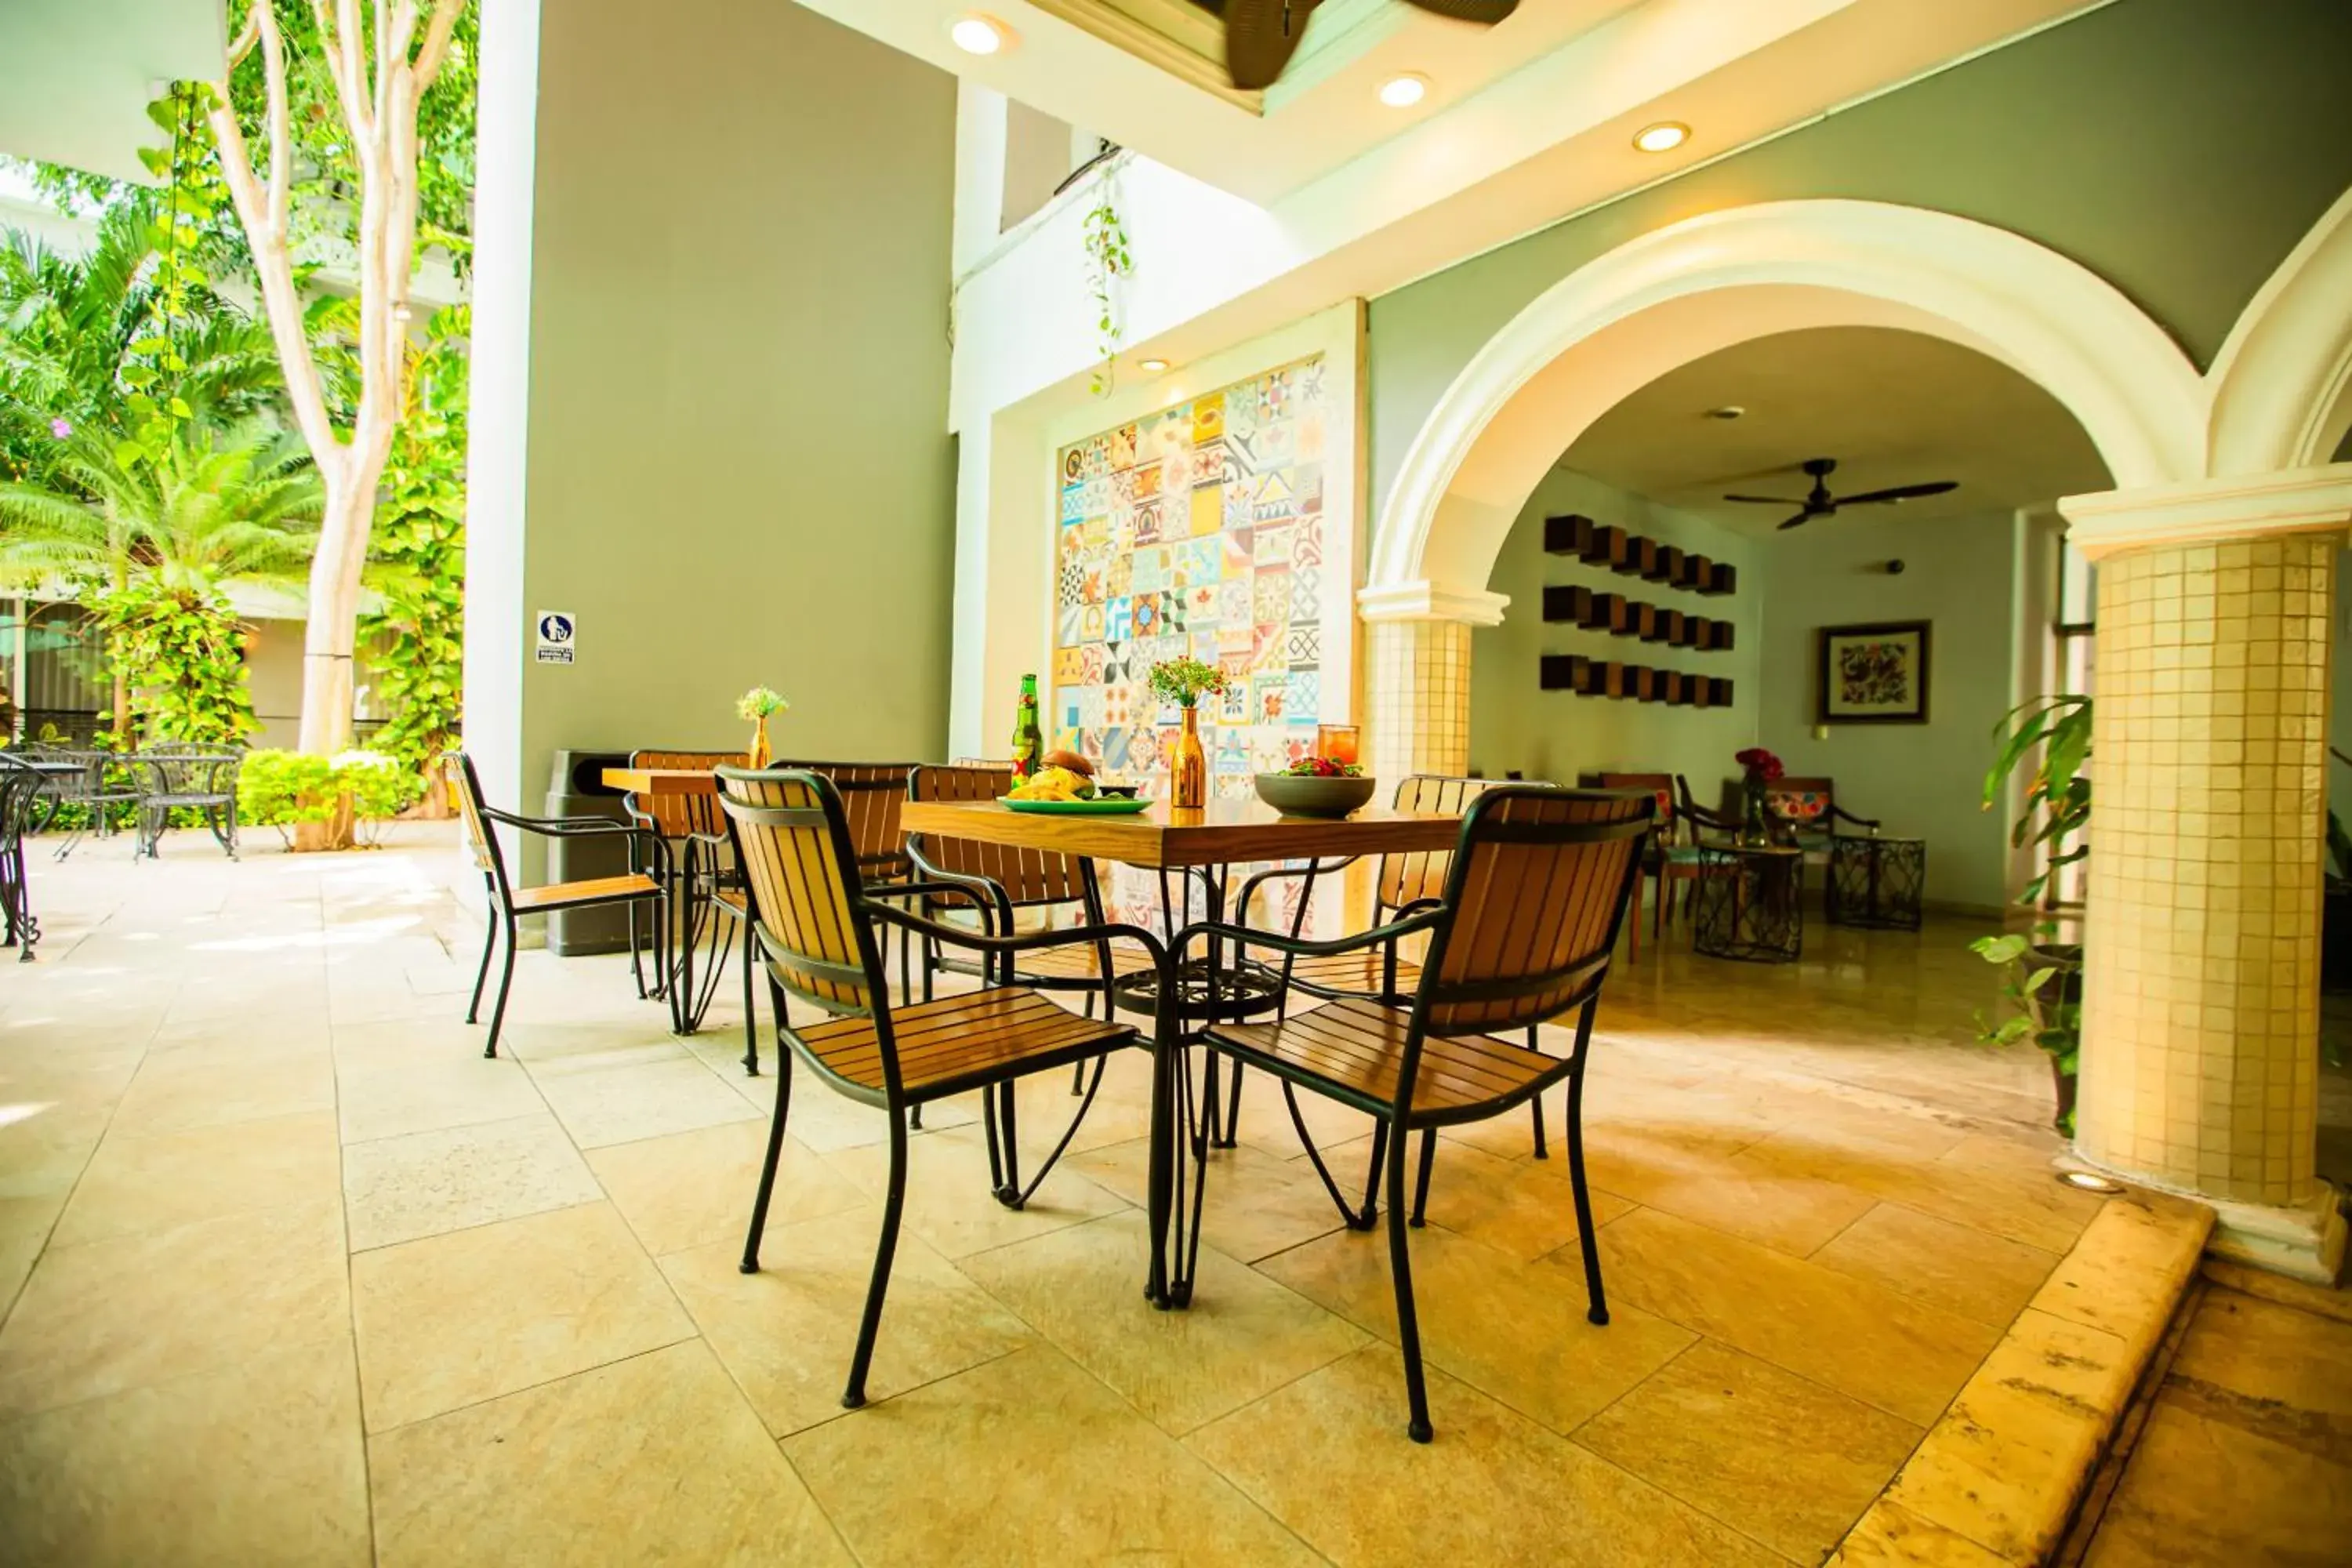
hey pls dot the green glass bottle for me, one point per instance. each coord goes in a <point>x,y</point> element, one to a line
<point>1028,735</point>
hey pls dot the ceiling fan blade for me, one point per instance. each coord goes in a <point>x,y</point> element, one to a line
<point>1486,13</point>
<point>1767,500</point>
<point>1260,37</point>
<point>1805,516</point>
<point>1900,492</point>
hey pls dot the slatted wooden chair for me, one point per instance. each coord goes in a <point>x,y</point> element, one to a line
<point>509,902</point>
<point>1666,859</point>
<point>1522,931</point>
<point>704,888</point>
<point>818,925</point>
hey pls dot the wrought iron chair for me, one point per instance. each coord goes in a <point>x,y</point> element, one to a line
<point>1373,974</point>
<point>22,790</point>
<point>1666,859</point>
<point>1807,811</point>
<point>1523,931</point>
<point>704,886</point>
<point>819,929</point>
<point>178,776</point>
<point>507,901</point>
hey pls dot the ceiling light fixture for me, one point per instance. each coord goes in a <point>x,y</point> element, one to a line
<point>1153,365</point>
<point>2090,1182</point>
<point>1728,411</point>
<point>1404,91</point>
<point>978,35</point>
<point>1664,137</point>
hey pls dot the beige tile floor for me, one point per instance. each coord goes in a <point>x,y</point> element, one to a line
<point>290,1273</point>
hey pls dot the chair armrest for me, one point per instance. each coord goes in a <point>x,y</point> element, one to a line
<point>986,893</point>
<point>1247,936</point>
<point>1070,936</point>
<point>1842,814</point>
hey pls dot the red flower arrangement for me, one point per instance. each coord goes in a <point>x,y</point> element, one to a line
<point>1761,765</point>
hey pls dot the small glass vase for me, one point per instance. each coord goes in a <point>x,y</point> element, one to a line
<point>760,756</point>
<point>1754,827</point>
<point>1188,767</point>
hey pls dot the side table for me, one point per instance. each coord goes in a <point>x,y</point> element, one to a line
<point>1874,882</point>
<point>1751,902</point>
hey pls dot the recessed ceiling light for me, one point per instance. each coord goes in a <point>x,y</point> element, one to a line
<point>978,35</point>
<point>1404,91</point>
<point>2090,1182</point>
<point>1664,137</point>
<point>1154,366</point>
<point>1728,411</point>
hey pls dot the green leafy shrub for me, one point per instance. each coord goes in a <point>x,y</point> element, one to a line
<point>285,789</point>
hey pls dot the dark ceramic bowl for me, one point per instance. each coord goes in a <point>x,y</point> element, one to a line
<point>1294,796</point>
<point>1115,792</point>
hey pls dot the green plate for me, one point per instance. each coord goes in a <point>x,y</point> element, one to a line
<point>1079,807</point>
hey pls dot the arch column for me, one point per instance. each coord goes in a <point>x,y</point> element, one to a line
<point>2201,1045</point>
<point>1417,675</point>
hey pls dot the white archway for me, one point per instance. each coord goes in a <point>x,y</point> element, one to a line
<point>2282,385</point>
<point>1669,297</point>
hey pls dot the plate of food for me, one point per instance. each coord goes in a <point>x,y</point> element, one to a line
<point>1064,786</point>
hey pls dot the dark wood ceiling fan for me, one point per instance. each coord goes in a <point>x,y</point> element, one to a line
<point>1262,35</point>
<point>1820,503</point>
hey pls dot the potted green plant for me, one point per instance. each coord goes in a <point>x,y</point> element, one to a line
<point>1184,682</point>
<point>758,705</point>
<point>2046,984</point>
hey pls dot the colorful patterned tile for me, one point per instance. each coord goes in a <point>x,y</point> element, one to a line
<point>1305,643</point>
<point>1310,428</point>
<point>1069,630</point>
<point>1069,667</point>
<point>1115,752</point>
<point>1270,597</point>
<point>1148,570</point>
<point>1306,593</point>
<point>1208,418</point>
<point>1148,514</point>
<point>1212,464</point>
<point>1236,543</point>
<point>1274,501</point>
<point>1305,697</point>
<point>1118,619</point>
<point>1208,510</point>
<point>1272,544</point>
<point>1269,694</point>
<point>1203,607</point>
<point>1204,645</point>
<point>1122,448</point>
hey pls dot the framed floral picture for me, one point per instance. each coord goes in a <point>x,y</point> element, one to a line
<point>1875,674</point>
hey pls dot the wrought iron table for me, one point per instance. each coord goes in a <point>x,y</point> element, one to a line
<point>1874,882</point>
<point>1751,902</point>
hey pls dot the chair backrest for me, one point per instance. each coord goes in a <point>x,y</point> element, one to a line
<point>1800,802</point>
<point>676,815</point>
<point>1535,893</point>
<point>1421,874</point>
<point>793,840</point>
<point>183,767</point>
<point>1662,786</point>
<point>871,795</point>
<point>1027,876</point>
<point>481,838</point>
<point>21,786</point>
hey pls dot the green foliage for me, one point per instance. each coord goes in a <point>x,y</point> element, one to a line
<point>1184,682</point>
<point>760,702</point>
<point>419,543</point>
<point>2058,794</point>
<point>284,789</point>
<point>1108,261</point>
<point>2041,1011</point>
<point>183,647</point>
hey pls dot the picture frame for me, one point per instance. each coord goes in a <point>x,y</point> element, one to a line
<point>1876,673</point>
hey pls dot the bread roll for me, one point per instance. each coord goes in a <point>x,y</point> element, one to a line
<point>1070,760</point>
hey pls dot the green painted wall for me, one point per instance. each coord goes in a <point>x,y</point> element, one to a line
<point>738,469</point>
<point>1558,735</point>
<point>2177,148</point>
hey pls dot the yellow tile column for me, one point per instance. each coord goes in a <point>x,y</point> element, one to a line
<point>1417,677</point>
<point>2200,1049</point>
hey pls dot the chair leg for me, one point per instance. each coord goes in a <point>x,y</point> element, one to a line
<point>489,942</point>
<point>506,979</point>
<point>1233,1109</point>
<point>1421,1182</point>
<point>751,1264</point>
<point>1599,1310</point>
<point>750,1011</point>
<point>892,1203</point>
<point>1408,1323</point>
<point>1535,1106</point>
<point>1371,1212</point>
<point>1633,926</point>
<point>637,948</point>
<point>1007,1100</point>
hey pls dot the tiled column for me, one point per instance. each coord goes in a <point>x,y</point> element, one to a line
<point>1417,677</point>
<point>2200,1049</point>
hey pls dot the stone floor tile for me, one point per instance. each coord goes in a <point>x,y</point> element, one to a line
<point>2126,1273</point>
<point>153,1183</point>
<point>787,1333</point>
<point>250,1464</point>
<point>2276,1372</point>
<point>198,1087</point>
<point>1328,1457</point>
<point>622,1104</point>
<point>18,1251</point>
<point>1956,1266</point>
<point>460,1089</point>
<point>425,1184</point>
<point>1891,1536</point>
<point>1778,1457</point>
<point>119,1315</point>
<point>1242,1336</point>
<point>1257,1205</point>
<point>2200,1490</point>
<point>949,1204</point>
<point>1524,1207</point>
<point>1903,1356</point>
<point>1516,1331</point>
<point>651,1459</point>
<point>695,1189</point>
<point>453,1320</point>
<point>1027,1459</point>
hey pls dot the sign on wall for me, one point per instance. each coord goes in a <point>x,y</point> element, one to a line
<point>554,636</point>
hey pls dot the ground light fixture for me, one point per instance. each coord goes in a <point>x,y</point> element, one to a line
<point>1404,91</point>
<point>977,35</point>
<point>2090,1182</point>
<point>1664,137</point>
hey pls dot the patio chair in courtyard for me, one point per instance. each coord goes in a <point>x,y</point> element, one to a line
<point>178,776</point>
<point>507,902</point>
<point>21,800</point>
<point>819,927</point>
<point>706,890</point>
<point>1522,931</point>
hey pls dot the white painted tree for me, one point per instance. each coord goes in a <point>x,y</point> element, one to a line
<point>382,58</point>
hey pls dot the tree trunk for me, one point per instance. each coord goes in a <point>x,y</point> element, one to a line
<point>329,636</point>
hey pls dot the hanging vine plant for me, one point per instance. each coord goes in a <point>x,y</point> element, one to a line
<point>1108,263</point>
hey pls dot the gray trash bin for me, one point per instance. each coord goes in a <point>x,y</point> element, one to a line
<point>576,788</point>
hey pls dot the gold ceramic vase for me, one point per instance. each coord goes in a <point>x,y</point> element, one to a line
<point>1188,767</point>
<point>758,756</point>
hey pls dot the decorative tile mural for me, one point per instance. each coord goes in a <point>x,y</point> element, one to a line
<point>1198,529</point>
